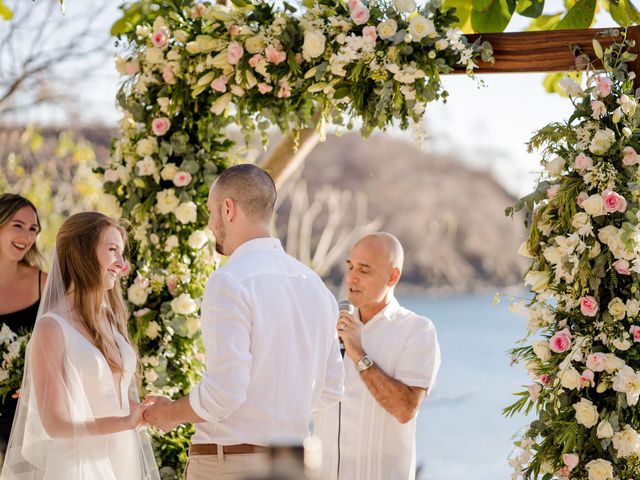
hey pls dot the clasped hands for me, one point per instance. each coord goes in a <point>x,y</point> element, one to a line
<point>152,411</point>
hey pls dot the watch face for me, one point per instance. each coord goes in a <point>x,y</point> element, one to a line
<point>366,361</point>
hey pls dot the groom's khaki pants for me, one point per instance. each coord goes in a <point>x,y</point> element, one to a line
<point>230,467</point>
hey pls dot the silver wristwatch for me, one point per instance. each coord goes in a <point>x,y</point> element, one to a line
<point>364,363</point>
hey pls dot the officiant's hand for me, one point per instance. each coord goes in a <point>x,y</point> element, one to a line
<point>156,414</point>
<point>349,332</point>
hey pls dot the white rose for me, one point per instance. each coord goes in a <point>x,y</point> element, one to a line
<point>605,430</point>
<point>555,166</point>
<point>586,413</point>
<point>420,27</point>
<point>594,205</point>
<point>314,44</point>
<point>150,375</point>
<point>186,212</point>
<point>154,55</point>
<point>198,239</point>
<point>137,295</point>
<point>166,201</point>
<point>616,309</point>
<point>170,243</point>
<point>405,6</point>
<point>600,469</point>
<point>626,442</point>
<point>570,378</point>
<point>387,29</point>
<point>602,141</point>
<point>607,233</point>
<point>632,307</point>
<point>146,166</point>
<point>622,345</point>
<point>254,44</point>
<point>169,171</point>
<point>542,350</point>
<point>147,147</point>
<point>153,330</point>
<point>183,304</point>
<point>6,334</point>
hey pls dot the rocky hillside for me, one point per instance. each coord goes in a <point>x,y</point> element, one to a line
<point>449,217</point>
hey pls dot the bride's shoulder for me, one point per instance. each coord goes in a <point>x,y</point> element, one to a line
<point>48,325</point>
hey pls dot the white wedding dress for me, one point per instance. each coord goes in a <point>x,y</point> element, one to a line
<point>92,392</point>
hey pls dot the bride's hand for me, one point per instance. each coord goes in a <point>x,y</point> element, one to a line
<point>136,417</point>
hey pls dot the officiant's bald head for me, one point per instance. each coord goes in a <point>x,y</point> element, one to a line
<point>250,187</point>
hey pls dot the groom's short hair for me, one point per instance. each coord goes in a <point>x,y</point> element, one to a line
<point>250,187</point>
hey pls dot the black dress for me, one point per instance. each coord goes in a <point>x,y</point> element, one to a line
<point>20,321</point>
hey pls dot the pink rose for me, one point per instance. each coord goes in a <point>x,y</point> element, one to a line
<point>160,126</point>
<point>596,362</point>
<point>264,88</point>
<point>220,84</point>
<point>622,267</point>
<point>563,472</point>
<point>369,34</point>
<point>583,162</point>
<point>635,333</point>
<point>629,156</point>
<point>560,341</point>
<point>589,306</point>
<point>581,198</point>
<point>132,67</point>
<point>274,55</point>
<point>604,86</point>
<point>570,460</point>
<point>284,91</point>
<point>255,60</point>
<point>613,202</point>
<point>234,53</point>
<point>360,15</point>
<point>543,378</point>
<point>167,75</point>
<point>182,179</point>
<point>587,377</point>
<point>353,4</point>
<point>552,190</point>
<point>234,30</point>
<point>160,38</point>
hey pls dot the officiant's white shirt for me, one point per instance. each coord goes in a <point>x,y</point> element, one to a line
<point>272,352</point>
<point>368,442</point>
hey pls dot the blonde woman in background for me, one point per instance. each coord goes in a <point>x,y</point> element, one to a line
<point>21,281</point>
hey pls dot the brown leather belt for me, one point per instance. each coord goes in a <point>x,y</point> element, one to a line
<point>212,449</point>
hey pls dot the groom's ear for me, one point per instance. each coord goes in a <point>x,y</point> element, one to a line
<point>229,208</point>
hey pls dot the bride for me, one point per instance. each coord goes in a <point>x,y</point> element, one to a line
<point>78,417</point>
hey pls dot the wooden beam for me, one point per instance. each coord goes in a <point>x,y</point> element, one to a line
<point>548,51</point>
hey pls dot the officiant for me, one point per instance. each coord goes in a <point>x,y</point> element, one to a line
<point>391,361</point>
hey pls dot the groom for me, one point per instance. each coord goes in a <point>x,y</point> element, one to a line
<point>268,325</point>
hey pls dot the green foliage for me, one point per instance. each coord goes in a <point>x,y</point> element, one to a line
<point>581,15</point>
<point>491,15</point>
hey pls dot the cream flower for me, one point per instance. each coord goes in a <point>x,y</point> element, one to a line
<point>183,304</point>
<point>186,213</point>
<point>166,201</point>
<point>586,413</point>
<point>420,27</point>
<point>387,29</point>
<point>314,44</point>
<point>600,469</point>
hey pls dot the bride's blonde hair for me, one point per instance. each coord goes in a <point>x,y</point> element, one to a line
<point>76,245</point>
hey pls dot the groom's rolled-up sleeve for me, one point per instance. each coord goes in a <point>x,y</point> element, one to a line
<point>226,332</point>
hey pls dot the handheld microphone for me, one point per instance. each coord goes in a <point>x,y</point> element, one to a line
<point>346,307</point>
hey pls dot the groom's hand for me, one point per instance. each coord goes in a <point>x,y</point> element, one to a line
<point>157,413</point>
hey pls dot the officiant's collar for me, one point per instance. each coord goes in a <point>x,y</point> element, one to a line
<point>256,245</point>
<point>388,312</point>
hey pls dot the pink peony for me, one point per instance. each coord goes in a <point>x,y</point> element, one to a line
<point>360,15</point>
<point>622,267</point>
<point>132,67</point>
<point>604,86</point>
<point>182,179</point>
<point>552,190</point>
<point>583,162</point>
<point>264,88</point>
<point>220,84</point>
<point>629,156</point>
<point>582,196</point>
<point>589,306</point>
<point>596,362</point>
<point>613,202</point>
<point>255,60</point>
<point>160,125</point>
<point>635,333</point>
<point>560,341</point>
<point>353,4</point>
<point>160,38</point>
<point>167,75</point>
<point>274,55</point>
<point>369,34</point>
<point>234,30</point>
<point>234,53</point>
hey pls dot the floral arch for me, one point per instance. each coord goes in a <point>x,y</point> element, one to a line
<point>191,70</point>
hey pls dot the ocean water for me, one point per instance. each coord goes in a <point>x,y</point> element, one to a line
<point>462,434</point>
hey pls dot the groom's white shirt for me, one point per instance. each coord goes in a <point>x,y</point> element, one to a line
<point>272,353</point>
